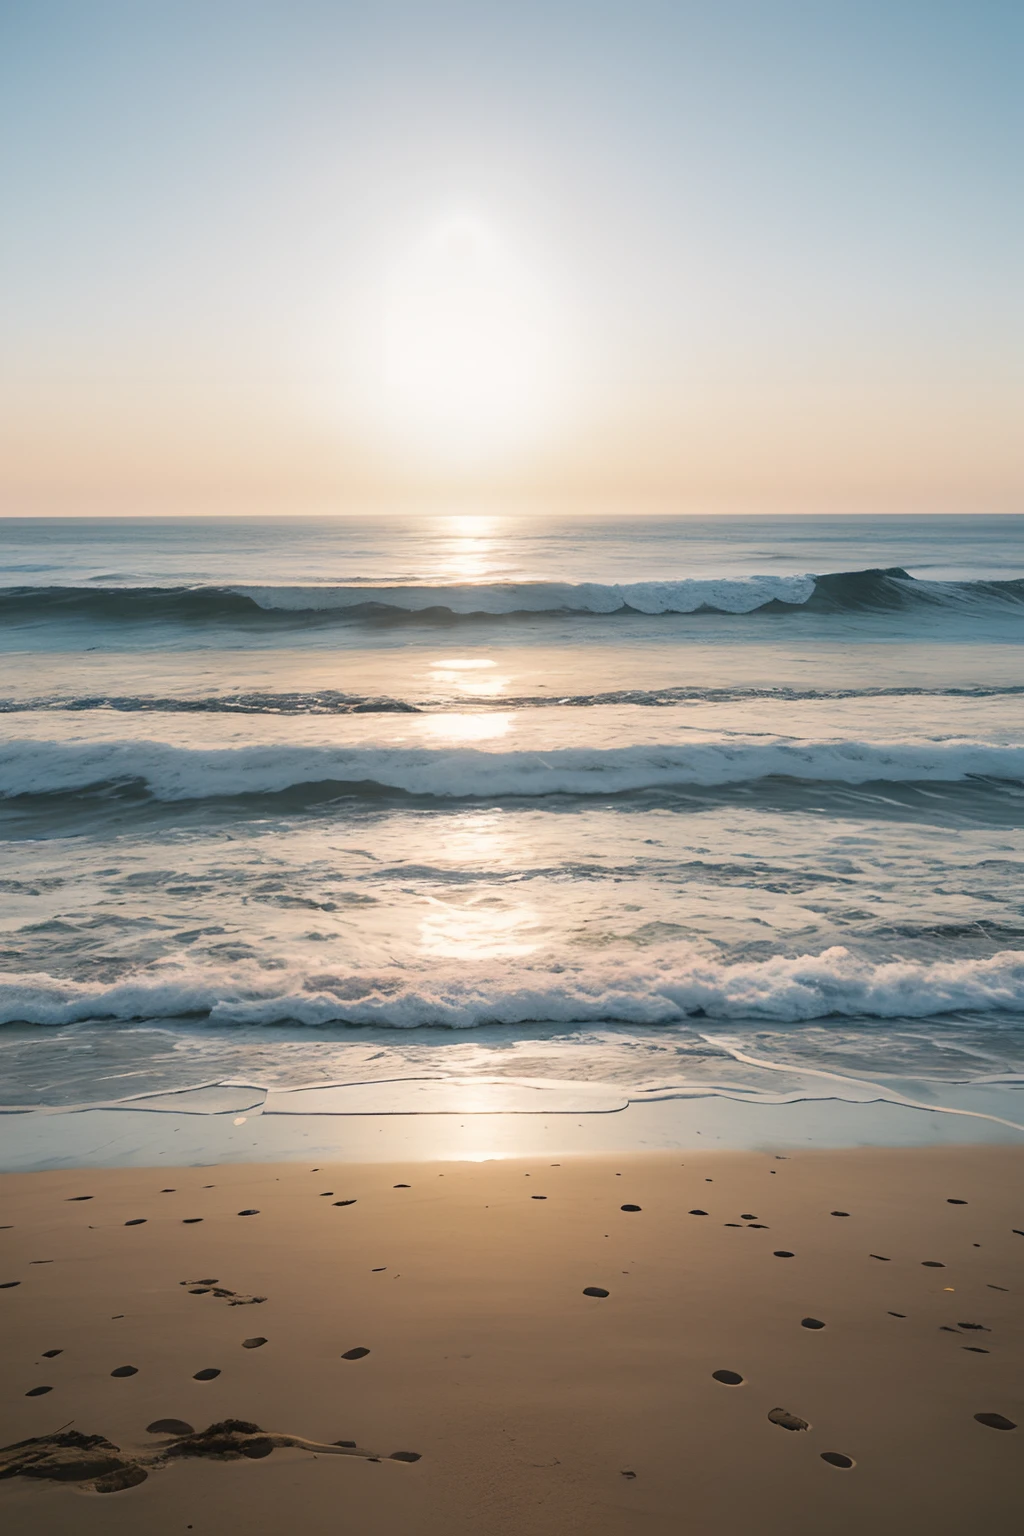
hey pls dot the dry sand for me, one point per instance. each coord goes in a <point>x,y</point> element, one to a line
<point>533,1406</point>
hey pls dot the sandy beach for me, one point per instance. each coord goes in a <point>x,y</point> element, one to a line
<point>672,1342</point>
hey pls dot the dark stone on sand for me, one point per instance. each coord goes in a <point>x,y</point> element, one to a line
<point>837,1459</point>
<point>840,1213</point>
<point>72,1198</point>
<point>8,1285</point>
<point>404,1456</point>
<point>698,1213</point>
<point>169,1427</point>
<point>207,1375</point>
<point>38,1391</point>
<point>190,1221</point>
<point>783,1253</point>
<point>727,1378</point>
<point>344,1202</point>
<point>409,1186</point>
<point>595,1290</point>
<point>65,1457</point>
<point>975,1327</point>
<point>811,1322</point>
<point>629,1475</point>
<point>956,1202</point>
<point>126,1370</point>
<point>347,1445</point>
<point>253,1343</point>
<point>786,1420</point>
<point>629,1207</point>
<point>51,1354</point>
<point>880,1256</point>
<point>897,1314</point>
<point>250,1212</point>
<point>995,1421</point>
<point>932,1264</point>
<point>538,1197</point>
<point>359,1353</point>
<point>975,1349</point>
<point>136,1221</point>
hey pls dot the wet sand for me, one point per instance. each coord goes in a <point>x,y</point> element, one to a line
<point>670,1342</point>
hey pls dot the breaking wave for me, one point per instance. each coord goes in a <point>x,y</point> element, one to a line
<point>835,983</point>
<point>172,773</point>
<point>866,591</point>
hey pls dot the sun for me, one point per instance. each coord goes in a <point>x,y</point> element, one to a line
<point>470,365</point>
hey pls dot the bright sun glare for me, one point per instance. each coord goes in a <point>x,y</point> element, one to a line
<point>469,360</point>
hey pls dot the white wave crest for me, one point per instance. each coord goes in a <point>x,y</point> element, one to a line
<point>783,989</point>
<point>184,773</point>
<point>727,595</point>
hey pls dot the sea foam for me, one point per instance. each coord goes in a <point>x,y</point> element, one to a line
<point>782,988</point>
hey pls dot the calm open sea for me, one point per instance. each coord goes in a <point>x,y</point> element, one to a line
<point>716,805</point>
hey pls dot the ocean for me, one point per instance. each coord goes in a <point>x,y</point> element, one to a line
<point>636,808</point>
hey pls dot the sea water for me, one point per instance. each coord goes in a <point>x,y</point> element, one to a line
<point>618,808</point>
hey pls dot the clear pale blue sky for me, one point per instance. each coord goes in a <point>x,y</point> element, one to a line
<point>782,240</point>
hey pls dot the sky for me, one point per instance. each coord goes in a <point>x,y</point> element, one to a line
<point>311,256</point>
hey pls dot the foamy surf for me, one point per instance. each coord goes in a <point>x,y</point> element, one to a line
<point>835,983</point>
<point>169,773</point>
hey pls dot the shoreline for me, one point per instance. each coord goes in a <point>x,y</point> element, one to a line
<point>35,1140</point>
<point>533,1406</point>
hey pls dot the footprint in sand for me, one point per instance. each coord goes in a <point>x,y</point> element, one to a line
<point>811,1322</point>
<point>595,1290</point>
<point>995,1421</point>
<point>728,1378</point>
<point>253,1343</point>
<point>125,1370</point>
<point>38,1391</point>
<point>359,1353</point>
<point>786,1420</point>
<point>837,1459</point>
<point>207,1375</point>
